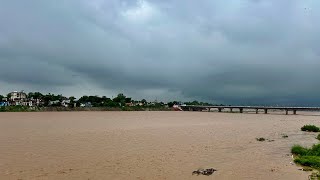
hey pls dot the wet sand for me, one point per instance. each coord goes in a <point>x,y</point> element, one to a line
<point>150,145</point>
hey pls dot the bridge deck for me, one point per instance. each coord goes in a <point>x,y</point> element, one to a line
<point>241,108</point>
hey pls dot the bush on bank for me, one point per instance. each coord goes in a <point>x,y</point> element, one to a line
<point>307,156</point>
<point>310,128</point>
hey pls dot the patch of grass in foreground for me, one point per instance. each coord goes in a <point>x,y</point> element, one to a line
<point>299,150</point>
<point>307,156</point>
<point>311,161</point>
<point>310,128</point>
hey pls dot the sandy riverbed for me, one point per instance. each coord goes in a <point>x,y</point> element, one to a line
<point>150,145</point>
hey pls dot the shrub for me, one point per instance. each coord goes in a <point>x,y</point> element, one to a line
<point>302,151</point>
<point>315,150</point>
<point>311,161</point>
<point>318,137</point>
<point>299,150</point>
<point>310,128</point>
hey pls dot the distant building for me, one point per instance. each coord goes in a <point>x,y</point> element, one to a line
<point>65,103</point>
<point>18,96</point>
<point>87,104</point>
<point>4,104</point>
<point>129,104</point>
<point>54,103</point>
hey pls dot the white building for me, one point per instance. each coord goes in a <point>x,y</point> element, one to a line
<point>18,96</point>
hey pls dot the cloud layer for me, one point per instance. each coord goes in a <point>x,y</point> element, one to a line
<point>235,52</point>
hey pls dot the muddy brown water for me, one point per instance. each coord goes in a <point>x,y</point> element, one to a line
<point>150,145</point>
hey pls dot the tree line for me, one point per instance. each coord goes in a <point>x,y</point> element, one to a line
<point>100,101</point>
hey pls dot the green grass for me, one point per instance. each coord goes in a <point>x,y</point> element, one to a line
<point>15,109</point>
<point>310,128</point>
<point>302,151</point>
<point>311,161</point>
<point>307,156</point>
<point>299,150</point>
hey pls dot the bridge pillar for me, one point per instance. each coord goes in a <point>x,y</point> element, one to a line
<point>257,111</point>
<point>294,112</point>
<point>231,109</point>
<point>220,109</point>
<point>266,111</point>
<point>287,111</point>
<point>241,110</point>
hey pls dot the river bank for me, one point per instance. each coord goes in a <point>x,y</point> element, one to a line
<point>50,109</point>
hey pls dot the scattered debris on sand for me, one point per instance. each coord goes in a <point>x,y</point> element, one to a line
<point>264,139</point>
<point>306,169</point>
<point>206,172</point>
<point>260,139</point>
<point>314,176</point>
<point>284,136</point>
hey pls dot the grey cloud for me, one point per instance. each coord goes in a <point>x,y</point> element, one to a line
<point>235,52</point>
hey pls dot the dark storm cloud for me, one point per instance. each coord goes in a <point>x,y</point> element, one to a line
<point>236,52</point>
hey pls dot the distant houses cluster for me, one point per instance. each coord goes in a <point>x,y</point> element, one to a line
<point>37,99</point>
<point>20,98</point>
<point>16,98</point>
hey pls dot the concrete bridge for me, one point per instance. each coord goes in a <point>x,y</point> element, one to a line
<point>241,108</point>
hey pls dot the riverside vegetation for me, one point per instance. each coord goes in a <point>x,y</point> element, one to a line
<point>309,157</point>
<point>52,102</point>
<point>310,128</point>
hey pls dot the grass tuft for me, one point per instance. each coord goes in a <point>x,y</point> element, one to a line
<point>307,156</point>
<point>299,150</point>
<point>310,128</point>
<point>311,161</point>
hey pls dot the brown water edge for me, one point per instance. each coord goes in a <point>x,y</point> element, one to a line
<point>150,145</point>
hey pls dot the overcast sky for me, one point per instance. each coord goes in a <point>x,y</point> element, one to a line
<point>233,52</point>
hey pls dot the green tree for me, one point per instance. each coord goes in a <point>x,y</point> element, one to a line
<point>120,99</point>
<point>1,97</point>
<point>170,104</point>
<point>111,103</point>
<point>128,100</point>
<point>144,102</point>
<point>35,95</point>
<point>30,95</point>
<point>72,99</point>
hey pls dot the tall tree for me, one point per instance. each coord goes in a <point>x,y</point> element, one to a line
<point>144,102</point>
<point>72,99</point>
<point>120,99</point>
